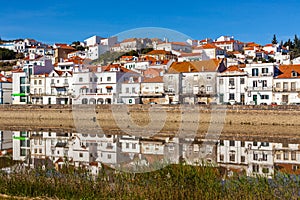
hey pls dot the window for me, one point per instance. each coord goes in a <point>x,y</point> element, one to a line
<point>293,155</point>
<point>80,155</point>
<point>254,72</point>
<point>254,84</point>
<point>22,80</point>
<point>127,145</point>
<point>40,82</point>
<point>293,86</point>
<point>108,78</point>
<point>264,96</point>
<point>243,159</point>
<point>221,81</point>
<point>221,142</point>
<point>265,170</point>
<point>208,77</point>
<point>232,157</point>
<point>278,156</point>
<point>231,82</point>
<point>231,96</point>
<point>265,157</point>
<point>134,146</point>
<point>278,85</point>
<point>195,77</point>
<point>80,79</point>
<point>208,88</point>
<point>35,82</point>
<point>264,70</point>
<point>285,86</point>
<point>254,144</point>
<point>95,79</point>
<point>133,90</point>
<point>221,157</point>
<point>22,99</point>
<point>264,144</point>
<point>264,83</point>
<point>242,144</point>
<point>286,155</point>
<point>91,79</point>
<point>242,81</point>
<point>294,74</point>
<point>109,156</point>
<point>255,156</point>
<point>221,97</point>
<point>127,90</point>
<point>232,143</point>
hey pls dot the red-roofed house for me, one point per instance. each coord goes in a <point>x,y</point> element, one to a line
<point>287,85</point>
<point>231,85</point>
<point>210,51</point>
<point>5,89</point>
<point>152,91</point>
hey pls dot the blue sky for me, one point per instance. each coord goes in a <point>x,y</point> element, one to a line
<point>67,21</point>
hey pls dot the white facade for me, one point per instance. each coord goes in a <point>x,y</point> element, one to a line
<point>232,86</point>
<point>259,88</point>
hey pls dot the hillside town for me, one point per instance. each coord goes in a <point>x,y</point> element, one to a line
<point>208,71</point>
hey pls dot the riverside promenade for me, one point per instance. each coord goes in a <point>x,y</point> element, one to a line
<point>261,123</point>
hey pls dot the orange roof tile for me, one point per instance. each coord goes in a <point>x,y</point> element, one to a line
<point>157,79</point>
<point>159,52</point>
<point>233,68</point>
<point>286,71</point>
<point>195,66</point>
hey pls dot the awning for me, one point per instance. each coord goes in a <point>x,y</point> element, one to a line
<point>18,95</point>
<point>109,87</point>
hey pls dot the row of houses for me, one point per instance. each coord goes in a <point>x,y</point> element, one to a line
<point>164,82</point>
<point>92,151</point>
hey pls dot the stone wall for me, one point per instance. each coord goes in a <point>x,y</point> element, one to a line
<point>264,123</point>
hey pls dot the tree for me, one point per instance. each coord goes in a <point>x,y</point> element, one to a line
<point>274,40</point>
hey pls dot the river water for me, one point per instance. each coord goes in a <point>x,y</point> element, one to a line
<point>139,154</point>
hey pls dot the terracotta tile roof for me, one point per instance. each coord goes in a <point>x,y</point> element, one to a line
<point>233,68</point>
<point>5,79</point>
<point>252,44</point>
<point>269,45</point>
<point>129,40</point>
<point>18,70</point>
<point>190,54</point>
<point>115,66</point>
<point>159,52</point>
<point>195,66</point>
<point>157,79</point>
<point>286,71</point>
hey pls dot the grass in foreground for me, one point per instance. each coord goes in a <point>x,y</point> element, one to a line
<point>171,182</point>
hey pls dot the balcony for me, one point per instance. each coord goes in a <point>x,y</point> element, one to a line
<point>259,88</point>
<point>59,85</point>
<point>286,90</point>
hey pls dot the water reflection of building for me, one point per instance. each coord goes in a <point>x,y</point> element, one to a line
<point>91,151</point>
<point>5,140</point>
<point>262,158</point>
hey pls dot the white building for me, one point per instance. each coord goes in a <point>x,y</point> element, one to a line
<point>259,88</point>
<point>287,85</point>
<point>232,85</point>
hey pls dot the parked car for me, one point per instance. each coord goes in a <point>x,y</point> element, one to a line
<point>202,103</point>
<point>264,104</point>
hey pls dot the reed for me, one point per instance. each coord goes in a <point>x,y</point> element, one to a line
<point>172,182</point>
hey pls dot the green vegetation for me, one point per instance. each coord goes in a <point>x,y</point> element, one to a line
<point>294,47</point>
<point>6,54</point>
<point>171,182</point>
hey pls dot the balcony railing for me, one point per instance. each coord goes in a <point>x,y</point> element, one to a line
<point>259,88</point>
<point>286,90</point>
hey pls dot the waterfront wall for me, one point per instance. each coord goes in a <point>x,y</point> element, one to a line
<point>264,123</point>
